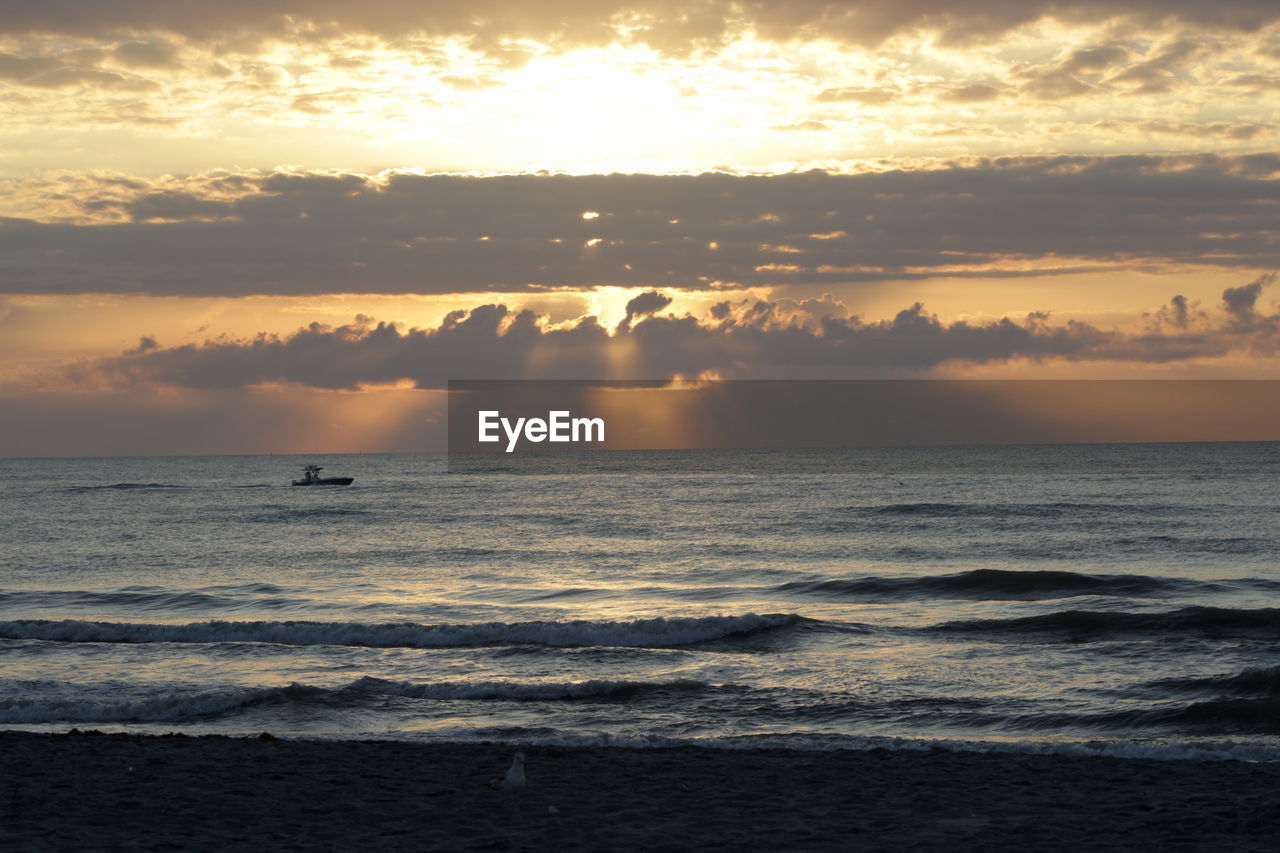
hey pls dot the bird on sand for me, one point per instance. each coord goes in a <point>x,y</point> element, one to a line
<point>513,781</point>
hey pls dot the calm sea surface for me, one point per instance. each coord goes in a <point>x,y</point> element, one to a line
<point>1115,598</point>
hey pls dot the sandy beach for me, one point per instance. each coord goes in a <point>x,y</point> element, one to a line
<point>119,792</point>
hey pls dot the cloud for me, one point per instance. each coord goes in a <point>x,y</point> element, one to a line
<point>1179,314</point>
<point>329,83</point>
<point>1113,68</point>
<point>1157,74</point>
<point>1191,129</point>
<point>145,344</point>
<point>147,54</point>
<point>1054,84</point>
<point>1241,304</point>
<point>64,71</point>
<point>1256,82</point>
<point>1095,59</point>
<point>761,339</point>
<point>666,23</point>
<point>975,93</point>
<point>649,302</point>
<point>310,232</point>
<point>872,97</point>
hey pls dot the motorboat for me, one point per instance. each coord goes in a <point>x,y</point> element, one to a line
<point>311,477</point>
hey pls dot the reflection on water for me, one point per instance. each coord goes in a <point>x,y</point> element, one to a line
<point>995,594</point>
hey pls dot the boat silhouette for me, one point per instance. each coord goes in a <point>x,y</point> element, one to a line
<point>311,477</point>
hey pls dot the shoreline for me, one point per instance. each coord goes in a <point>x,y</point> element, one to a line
<point>94,791</point>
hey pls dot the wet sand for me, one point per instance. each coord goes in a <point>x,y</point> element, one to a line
<point>118,792</point>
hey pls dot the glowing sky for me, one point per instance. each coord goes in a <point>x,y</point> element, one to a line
<point>232,216</point>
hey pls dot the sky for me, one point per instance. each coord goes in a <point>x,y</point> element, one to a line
<point>283,226</point>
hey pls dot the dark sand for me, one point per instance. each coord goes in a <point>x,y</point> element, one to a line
<point>117,792</point>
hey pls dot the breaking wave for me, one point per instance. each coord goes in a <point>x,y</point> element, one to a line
<point>71,703</point>
<point>1220,716</point>
<point>168,706</point>
<point>998,584</point>
<point>638,633</point>
<point>151,599</point>
<point>1260,680</point>
<point>1099,624</point>
<point>523,692</point>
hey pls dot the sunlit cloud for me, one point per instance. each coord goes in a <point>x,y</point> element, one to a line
<point>196,199</point>
<point>743,339</point>
<point>629,87</point>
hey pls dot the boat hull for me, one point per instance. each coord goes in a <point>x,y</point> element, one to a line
<point>325,481</point>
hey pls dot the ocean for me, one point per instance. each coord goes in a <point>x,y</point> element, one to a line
<point>1119,599</point>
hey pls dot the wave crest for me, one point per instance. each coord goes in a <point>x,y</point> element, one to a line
<point>1096,624</point>
<point>1259,680</point>
<point>125,487</point>
<point>168,706</point>
<point>639,633</point>
<point>520,691</point>
<point>1001,584</point>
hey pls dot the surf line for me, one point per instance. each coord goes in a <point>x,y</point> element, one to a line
<point>559,426</point>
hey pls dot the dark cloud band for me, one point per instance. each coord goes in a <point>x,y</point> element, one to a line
<point>665,23</point>
<point>313,233</point>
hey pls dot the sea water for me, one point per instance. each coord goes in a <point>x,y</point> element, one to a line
<point>1113,598</point>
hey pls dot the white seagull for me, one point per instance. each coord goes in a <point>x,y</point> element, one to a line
<point>513,782</point>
